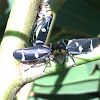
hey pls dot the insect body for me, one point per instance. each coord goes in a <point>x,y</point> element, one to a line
<point>76,46</point>
<point>41,38</point>
<point>31,53</point>
<point>37,53</point>
<point>43,22</point>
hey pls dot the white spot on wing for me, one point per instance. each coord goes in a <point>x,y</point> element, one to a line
<point>77,44</point>
<point>39,50</point>
<point>39,41</point>
<point>91,46</point>
<point>23,57</point>
<point>43,30</point>
<point>36,55</point>
<point>80,48</point>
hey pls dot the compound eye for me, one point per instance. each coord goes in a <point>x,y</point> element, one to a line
<point>55,52</point>
<point>63,51</point>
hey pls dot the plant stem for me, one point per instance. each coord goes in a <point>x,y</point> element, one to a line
<point>19,26</point>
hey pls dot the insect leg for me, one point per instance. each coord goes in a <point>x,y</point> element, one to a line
<point>65,59</point>
<point>39,60</point>
<point>57,61</point>
<point>72,58</point>
<point>47,62</point>
<point>34,64</point>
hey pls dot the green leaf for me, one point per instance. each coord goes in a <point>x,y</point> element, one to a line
<point>79,16</point>
<point>76,80</point>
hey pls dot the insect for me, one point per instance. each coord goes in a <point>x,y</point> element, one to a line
<point>36,53</point>
<point>39,51</point>
<point>42,24</point>
<point>76,46</point>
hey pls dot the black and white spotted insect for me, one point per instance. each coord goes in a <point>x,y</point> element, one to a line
<point>76,47</point>
<point>43,21</point>
<point>36,53</point>
<point>39,51</point>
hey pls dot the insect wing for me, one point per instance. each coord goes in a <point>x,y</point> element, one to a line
<point>31,53</point>
<point>42,35</point>
<point>77,46</point>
